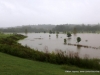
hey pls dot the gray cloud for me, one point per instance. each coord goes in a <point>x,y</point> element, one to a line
<point>23,12</point>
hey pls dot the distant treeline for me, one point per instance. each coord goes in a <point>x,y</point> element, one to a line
<point>47,28</point>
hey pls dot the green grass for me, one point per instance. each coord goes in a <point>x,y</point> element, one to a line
<point>11,65</point>
<point>4,35</point>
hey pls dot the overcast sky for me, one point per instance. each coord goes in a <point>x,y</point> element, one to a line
<point>25,12</point>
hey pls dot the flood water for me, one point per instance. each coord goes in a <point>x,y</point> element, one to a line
<point>42,41</point>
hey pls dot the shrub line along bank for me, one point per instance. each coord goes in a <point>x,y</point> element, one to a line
<point>10,46</point>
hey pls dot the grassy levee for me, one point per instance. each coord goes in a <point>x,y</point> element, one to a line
<point>9,45</point>
<point>11,65</point>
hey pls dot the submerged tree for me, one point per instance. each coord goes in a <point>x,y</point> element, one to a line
<point>50,32</point>
<point>78,39</point>
<point>49,35</point>
<point>69,35</point>
<point>56,35</point>
<point>57,32</point>
<point>44,31</point>
<point>64,41</point>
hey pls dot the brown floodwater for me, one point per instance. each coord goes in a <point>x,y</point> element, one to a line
<point>42,41</point>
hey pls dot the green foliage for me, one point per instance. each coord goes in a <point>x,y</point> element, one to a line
<point>4,35</point>
<point>50,32</point>
<point>78,39</point>
<point>69,34</point>
<point>64,41</point>
<point>60,28</point>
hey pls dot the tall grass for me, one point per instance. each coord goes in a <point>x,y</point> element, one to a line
<point>10,46</point>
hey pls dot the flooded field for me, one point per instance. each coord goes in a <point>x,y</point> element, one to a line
<point>42,41</point>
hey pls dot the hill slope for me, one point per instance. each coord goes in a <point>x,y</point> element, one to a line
<point>10,65</point>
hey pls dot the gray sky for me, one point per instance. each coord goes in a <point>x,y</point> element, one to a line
<point>25,12</point>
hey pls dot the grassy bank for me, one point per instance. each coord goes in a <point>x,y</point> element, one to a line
<point>2,35</point>
<point>10,65</point>
<point>9,45</point>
